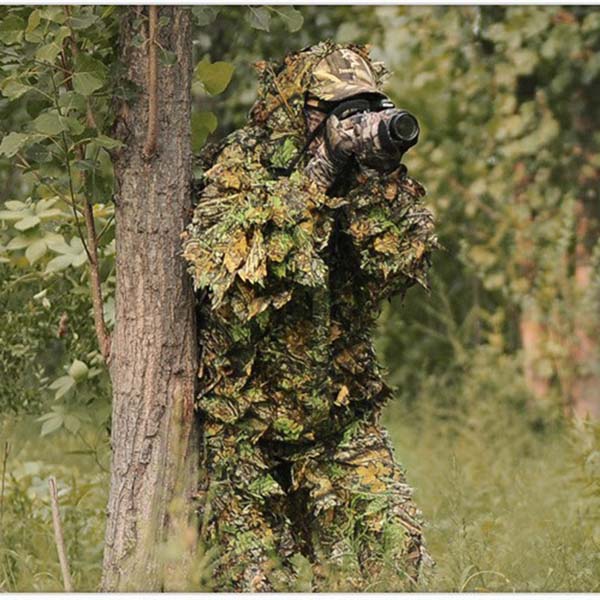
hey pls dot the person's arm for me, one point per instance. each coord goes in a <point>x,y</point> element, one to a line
<point>391,231</point>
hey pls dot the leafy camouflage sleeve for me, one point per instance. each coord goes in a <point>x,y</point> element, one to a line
<point>391,231</point>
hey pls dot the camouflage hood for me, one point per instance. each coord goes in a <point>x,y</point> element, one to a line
<point>330,71</point>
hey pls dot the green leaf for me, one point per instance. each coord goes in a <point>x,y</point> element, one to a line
<point>18,243</point>
<point>108,142</point>
<point>205,15</point>
<point>259,17</point>
<point>12,29</point>
<point>15,205</point>
<point>76,245</point>
<point>86,83</point>
<point>44,204</point>
<point>83,20</point>
<point>60,392</point>
<point>50,51</point>
<point>304,573</point>
<point>49,123</point>
<point>524,61</point>
<point>215,77</point>
<point>76,127</point>
<point>57,384</point>
<point>72,249</point>
<point>78,370</point>
<point>89,76</point>
<point>167,58</point>
<point>36,250</point>
<point>33,21</point>
<point>41,154</point>
<point>50,213</point>
<point>52,424</point>
<point>12,143</point>
<point>28,222</point>
<point>72,101</point>
<point>79,260</point>
<point>55,13</point>
<point>59,263</point>
<point>47,52</point>
<point>72,254</point>
<point>203,124</point>
<point>292,18</point>
<point>13,88</point>
<point>10,215</point>
<point>72,423</point>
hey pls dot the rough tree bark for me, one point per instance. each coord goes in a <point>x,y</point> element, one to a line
<point>533,336</point>
<point>532,328</point>
<point>586,387</point>
<point>153,357</point>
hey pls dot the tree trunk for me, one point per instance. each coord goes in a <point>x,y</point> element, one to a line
<point>585,393</point>
<point>153,360</point>
<point>533,334</point>
<point>532,328</point>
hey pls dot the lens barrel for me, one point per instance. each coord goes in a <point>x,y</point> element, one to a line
<point>404,129</point>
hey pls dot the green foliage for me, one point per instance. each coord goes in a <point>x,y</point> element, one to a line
<point>57,67</point>
<point>28,559</point>
<point>214,77</point>
<point>259,17</point>
<point>506,100</point>
<point>203,124</point>
<point>511,504</point>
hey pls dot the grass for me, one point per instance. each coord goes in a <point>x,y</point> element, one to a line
<point>511,503</point>
<point>28,558</point>
<point>509,508</point>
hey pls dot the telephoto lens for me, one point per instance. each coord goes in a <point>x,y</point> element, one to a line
<point>404,129</point>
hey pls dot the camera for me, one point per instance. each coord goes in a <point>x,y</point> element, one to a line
<point>375,139</point>
<point>367,133</point>
<point>403,130</point>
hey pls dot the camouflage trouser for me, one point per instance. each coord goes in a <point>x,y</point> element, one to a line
<point>342,504</point>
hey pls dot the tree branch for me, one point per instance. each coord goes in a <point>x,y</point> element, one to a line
<point>91,247</point>
<point>151,134</point>
<point>96,284</point>
<point>58,537</point>
<point>4,459</point>
<point>89,115</point>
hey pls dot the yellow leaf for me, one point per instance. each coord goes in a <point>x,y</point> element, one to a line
<point>372,474</point>
<point>342,396</point>
<point>236,252</point>
<point>257,306</point>
<point>387,243</point>
<point>419,249</point>
<point>255,267</point>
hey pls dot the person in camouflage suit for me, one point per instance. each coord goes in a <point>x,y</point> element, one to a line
<point>299,233</point>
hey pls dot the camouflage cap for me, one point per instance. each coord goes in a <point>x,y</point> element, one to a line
<point>342,74</point>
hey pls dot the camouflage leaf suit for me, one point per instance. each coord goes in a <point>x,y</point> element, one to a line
<point>290,277</point>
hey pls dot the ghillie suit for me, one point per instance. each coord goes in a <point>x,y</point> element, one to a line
<point>291,274</point>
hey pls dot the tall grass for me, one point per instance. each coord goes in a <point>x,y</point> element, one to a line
<point>28,557</point>
<point>512,502</point>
